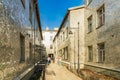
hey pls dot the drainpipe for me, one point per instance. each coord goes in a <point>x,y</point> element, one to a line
<point>78,50</point>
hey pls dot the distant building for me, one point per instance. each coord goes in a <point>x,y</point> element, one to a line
<point>48,36</point>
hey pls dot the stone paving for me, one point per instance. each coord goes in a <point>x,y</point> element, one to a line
<point>56,72</point>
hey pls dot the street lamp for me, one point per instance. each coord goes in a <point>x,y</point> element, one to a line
<point>78,49</point>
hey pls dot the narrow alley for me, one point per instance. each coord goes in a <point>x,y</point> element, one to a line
<point>56,72</point>
<point>79,38</point>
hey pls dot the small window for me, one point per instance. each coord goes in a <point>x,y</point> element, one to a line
<point>67,32</point>
<point>30,12</point>
<point>101,16</point>
<point>63,36</point>
<point>51,47</point>
<point>23,3</point>
<point>90,24</point>
<point>101,52</point>
<point>90,53</point>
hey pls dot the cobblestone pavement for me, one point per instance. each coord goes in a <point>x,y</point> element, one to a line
<point>56,72</point>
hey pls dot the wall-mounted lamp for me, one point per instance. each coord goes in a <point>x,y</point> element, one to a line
<point>70,32</point>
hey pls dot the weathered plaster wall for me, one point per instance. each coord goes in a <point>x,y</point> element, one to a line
<point>108,33</point>
<point>13,19</point>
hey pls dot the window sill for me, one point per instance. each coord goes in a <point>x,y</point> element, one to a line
<point>89,32</point>
<point>101,62</point>
<point>100,26</point>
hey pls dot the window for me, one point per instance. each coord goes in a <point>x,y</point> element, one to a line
<point>90,24</point>
<point>67,32</point>
<point>66,53</point>
<point>63,36</point>
<point>30,12</point>
<point>23,3</point>
<point>101,16</point>
<point>101,52</point>
<point>22,46</point>
<point>51,38</point>
<point>30,51</point>
<point>51,47</point>
<point>90,53</point>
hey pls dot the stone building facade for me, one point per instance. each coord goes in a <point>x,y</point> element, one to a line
<point>15,43</point>
<point>98,38</point>
<point>102,37</point>
<point>67,39</point>
<point>48,36</point>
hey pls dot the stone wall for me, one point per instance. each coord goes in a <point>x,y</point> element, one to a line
<point>13,19</point>
<point>77,15</point>
<point>108,33</point>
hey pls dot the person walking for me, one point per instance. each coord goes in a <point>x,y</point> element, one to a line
<point>48,60</point>
<point>59,61</point>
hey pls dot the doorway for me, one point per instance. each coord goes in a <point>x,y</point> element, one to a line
<point>51,56</point>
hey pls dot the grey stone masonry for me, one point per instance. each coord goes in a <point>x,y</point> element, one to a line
<point>14,18</point>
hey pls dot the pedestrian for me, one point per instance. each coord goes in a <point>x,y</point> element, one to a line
<point>48,60</point>
<point>59,61</point>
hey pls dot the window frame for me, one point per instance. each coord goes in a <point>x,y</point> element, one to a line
<point>22,47</point>
<point>101,16</point>
<point>67,32</point>
<point>23,3</point>
<point>90,23</point>
<point>30,11</point>
<point>63,36</point>
<point>101,56</point>
<point>66,53</point>
<point>90,53</point>
<point>51,46</point>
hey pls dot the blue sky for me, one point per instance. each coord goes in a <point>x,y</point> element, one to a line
<point>52,12</point>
